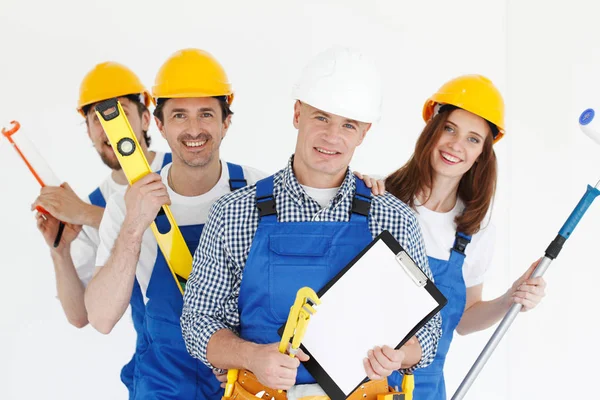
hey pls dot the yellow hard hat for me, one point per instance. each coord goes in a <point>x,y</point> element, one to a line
<point>108,80</point>
<point>191,73</point>
<point>474,93</point>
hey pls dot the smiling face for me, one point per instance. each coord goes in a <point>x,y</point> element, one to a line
<point>460,144</point>
<point>326,142</point>
<point>139,124</point>
<point>194,129</point>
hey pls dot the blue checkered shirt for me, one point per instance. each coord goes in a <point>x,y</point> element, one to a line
<point>212,291</point>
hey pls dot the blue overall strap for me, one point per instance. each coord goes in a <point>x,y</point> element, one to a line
<point>265,202</point>
<point>168,158</point>
<point>361,204</point>
<point>460,242</point>
<point>97,198</point>
<point>236,177</point>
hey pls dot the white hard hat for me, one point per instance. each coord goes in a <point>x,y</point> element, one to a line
<point>341,81</point>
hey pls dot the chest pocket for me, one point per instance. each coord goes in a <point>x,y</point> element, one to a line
<point>296,261</point>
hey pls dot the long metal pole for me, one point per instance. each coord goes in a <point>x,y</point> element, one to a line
<point>551,253</point>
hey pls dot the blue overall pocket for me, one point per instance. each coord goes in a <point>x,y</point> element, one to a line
<point>296,261</point>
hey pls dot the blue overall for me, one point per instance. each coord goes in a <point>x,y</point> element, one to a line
<point>137,310</point>
<point>137,300</point>
<point>162,367</point>
<point>448,277</point>
<point>286,256</point>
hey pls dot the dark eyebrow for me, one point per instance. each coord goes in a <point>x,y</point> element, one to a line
<point>204,109</point>
<point>323,113</point>
<point>473,132</point>
<point>477,134</point>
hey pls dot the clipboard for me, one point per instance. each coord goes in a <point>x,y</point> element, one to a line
<point>372,300</point>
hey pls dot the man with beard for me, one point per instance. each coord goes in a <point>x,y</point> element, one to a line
<point>75,256</point>
<point>193,97</point>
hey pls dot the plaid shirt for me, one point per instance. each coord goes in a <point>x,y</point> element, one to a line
<point>211,295</point>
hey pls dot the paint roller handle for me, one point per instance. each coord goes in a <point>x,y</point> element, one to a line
<point>587,199</point>
<point>567,229</point>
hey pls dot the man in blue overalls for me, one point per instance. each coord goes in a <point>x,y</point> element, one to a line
<point>193,98</point>
<point>75,256</point>
<point>262,243</point>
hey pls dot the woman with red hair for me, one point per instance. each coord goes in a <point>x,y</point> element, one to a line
<point>450,182</point>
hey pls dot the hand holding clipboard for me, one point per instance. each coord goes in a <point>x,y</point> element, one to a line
<point>388,299</point>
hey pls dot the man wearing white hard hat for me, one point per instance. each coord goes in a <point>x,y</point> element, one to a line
<point>231,314</point>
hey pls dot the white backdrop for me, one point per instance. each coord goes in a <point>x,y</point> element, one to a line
<point>546,68</point>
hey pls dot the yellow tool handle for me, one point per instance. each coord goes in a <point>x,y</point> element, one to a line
<point>391,396</point>
<point>300,331</point>
<point>295,326</point>
<point>232,376</point>
<point>408,386</point>
<point>135,166</point>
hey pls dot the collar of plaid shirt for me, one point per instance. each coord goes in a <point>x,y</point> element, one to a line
<point>293,188</point>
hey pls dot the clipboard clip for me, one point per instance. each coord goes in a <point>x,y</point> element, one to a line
<point>411,269</point>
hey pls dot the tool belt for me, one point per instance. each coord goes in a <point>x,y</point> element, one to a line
<point>247,386</point>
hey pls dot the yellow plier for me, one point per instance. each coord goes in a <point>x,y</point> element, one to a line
<point>300,313</point>
<point>295,328</point>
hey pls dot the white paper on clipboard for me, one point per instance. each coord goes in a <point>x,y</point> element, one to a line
<point>374,303</point>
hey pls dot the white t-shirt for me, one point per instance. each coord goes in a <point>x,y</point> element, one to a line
<point>439,230</point>
<point>321,196</point>
<point>84,247</point>
<point>186,211</point>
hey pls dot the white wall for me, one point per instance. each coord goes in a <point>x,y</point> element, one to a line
<point>545,162</point>
<point>553,64</point>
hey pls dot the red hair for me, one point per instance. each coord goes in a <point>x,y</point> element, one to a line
<point>476,188</point>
